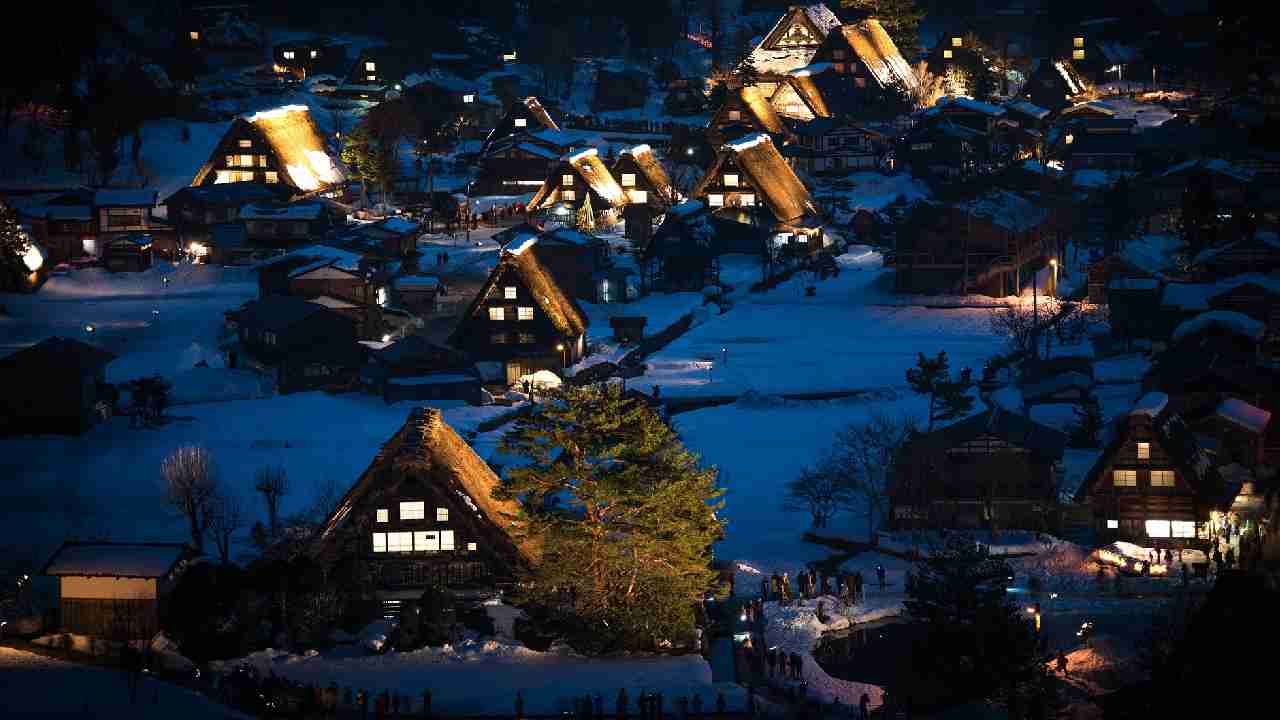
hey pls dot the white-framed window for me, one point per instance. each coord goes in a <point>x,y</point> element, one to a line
<point>1077,42</point>
<point>442,514</point>
<point>521,122</point>
<point>1183,528</point>
<point>315,54</point>
<point>628,180</point>
<point>715,200</point>
<point>399,542</point>
<point>471,547</point>
<point>370,66</point>
<point>747,199</point>
<point>233,161</point>
<point>947,55</point>
<point>509,292</point>
<point>468,98</point>
<point>524,313</point>
<point>1144,451</point>
<point>271,176</point>
<point>638,196</point>
<point>246,143</point>
<point>735,115</point>
<point>1077,54</point>
<point>446,540</point>
<point>246,161</point>
<point>1113,524</point>
<point>413,510</point>
<point>194,35</point>
<point>566,180</point>
<point>1158,528</point>
<point>568,195</point>
<point>426,541</point>
<point>379,542</point>
<point>1125,478</point>
<point>731,180</point>
<point>288,54</point>
<point>1162,478</point>
<point>497,313</point>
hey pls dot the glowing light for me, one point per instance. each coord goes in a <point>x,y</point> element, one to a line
<point>1053,262</point>
<point>89,328</point>
<point>196,249</point>
<point>1070,138</point>
<point>386,338</point>
<point>560,347</point>
<point>33,258</point>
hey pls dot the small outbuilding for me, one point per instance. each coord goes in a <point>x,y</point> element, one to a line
<point>116,590</point>
<point>55,386</point>
<point>130,252</point>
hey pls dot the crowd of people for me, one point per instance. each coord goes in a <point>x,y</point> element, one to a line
<point>812,583</point>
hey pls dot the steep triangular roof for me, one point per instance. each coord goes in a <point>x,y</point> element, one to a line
<point>793,40</point>
<point>529,107</point>
<point>428,447</point>
<point>587,164</point>
<point>648,163</point>
<point>565,314</point>
<point>293,136</point>
<point>757,157</point>
<point>876,50</point>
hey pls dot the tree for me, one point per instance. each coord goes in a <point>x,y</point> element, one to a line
<point>822,491</point>
<point>928,88</point>
<point>15,250</point>
<point>948,399</point>
<point>585,220</point>
<point>190,484</point>
<point>870,450</point>
<point>355,155</point>
<point>1119,220</point>
<point>150,400</point>
<point>225,521</point>
<point>623,513</point>
<point>1089,423</point>
<point>273,483</point>
<point>980,647</point>
<point>900,18</point>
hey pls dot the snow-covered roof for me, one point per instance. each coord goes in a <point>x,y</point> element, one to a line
<point>418,281</point>
<point>781,60</point>
<point>320,270</point>
<point>520,247</point>
<point>106,559</point>
<point>1251,418</point>
<point>1028,108</point>
<point>67,212</point>
<point>878,53</point>
<point>1187,296</point>
<point>336,256</point>
<point>1007,210</point>
<point>570,236</point>
<point>686,208</point>
<point>1133,283</point>
<point>1213,165</point>
<point>1151,404</point>
<point>333,303</point>
<point>810,69</point>
<point>747,142</point>
<point>291,211</point>
<point>134,197</point>
<point>968,103</point>
<point>1233,322</point>
<point>398,225</point>
<point>294,136</point>
<point>436,379</point>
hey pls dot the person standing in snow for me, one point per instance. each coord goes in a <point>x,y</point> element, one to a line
<point>786,588</point>
<point>764,588</point>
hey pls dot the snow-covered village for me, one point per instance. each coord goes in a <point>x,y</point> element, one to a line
<point>676,360</point>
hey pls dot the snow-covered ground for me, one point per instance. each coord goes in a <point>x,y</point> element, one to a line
<point>37,686</point>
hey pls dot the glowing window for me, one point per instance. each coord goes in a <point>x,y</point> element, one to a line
<point>314,54</point>
<point>399,542</point>
<point>498,339</point>
<point>1183,528</point>
<point>194,35</point>
<point>838,67</point>
<point>379,542</point>
<point>1144,451</point>
<point>471,547</point>
<point>1113,524</point>
<point>232,160</point>
<point>731,180</point>
<point>468,98</point>
<point>426,541</point>
<point>524,313</point>
<point>413,510</point>
<point>497,313</point>
<point>639,196</point>
<point>1162,478</point>
<point>272,176</point>
<point>1077,54</point>
<point>860,82</point>
<point>735,114</point>
<point>1158,528</point>
<point>628,180</point>
<point>566,180</point>
<point>947,54</point>
<point>568,195</point>
<point>715,200</point>
<point>370,67</point>
<point>442,514</point>
<point>526,339</point>
<point>509,292</point>
<point>446,540</point>
<point>246,161</point>
<point>747,199</point>
<point>384,515</point>
<point>957,42</point>
<point>246,143</point>
<point>288,54</point>
<point>521,122</point>
<point>1077,42</point>
<point>1125,478</point>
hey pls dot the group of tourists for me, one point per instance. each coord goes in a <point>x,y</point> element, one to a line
<point>811,583</point>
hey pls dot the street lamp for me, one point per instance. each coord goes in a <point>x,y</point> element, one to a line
<point>1053,263</point>
<point>564,361</point>
<point>89,328</point>
<point>724,355</point>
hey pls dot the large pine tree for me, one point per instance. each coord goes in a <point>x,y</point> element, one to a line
<point>623,513</point>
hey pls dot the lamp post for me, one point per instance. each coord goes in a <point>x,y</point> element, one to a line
<point>724,356</point>
<point>564,361</point>
<point>1053,263</point>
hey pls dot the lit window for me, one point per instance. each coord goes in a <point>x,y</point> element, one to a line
<point>524,313</point>
<point>509,57</point>
<point>509,292</point>
<point>715,200</point>
<point>638,196</point>
<point>379,542</point>
<point>731,181</point>
<point>526,339</point>
<point>468,98</point>
<point>384,515</point>
<point>860,82</point>
<point>288,54</point>
<point>399,542</point>
<point>957,42</point>
<point>262,161</point>
<point>566,180</point>
<point>521,122</point>
<point>194,35</point>
<point>370,66</point>
<point>1162,478</point>
<point>628,180</point>
<point>1077,42</point>
<point>1183,528</point>
<point>471,547</point>
<point>1158,528</point>
<point>246,143</point>
<point>426,541</point>
<point>1144,451</point>
<point>442,514</point>
<point>1125,478</point>
<point>498,339</point>
<point>568,195</point>
<point>1113,524</point>
<point>735,114</point>
<point>446,540</point>
<point>838,67</point>
<point>272,176</point>
<point>1077,54</point>
<point>747,199</point>
<point>232,160</point>
<point>246,161</point>
<point>314,54</point>
<point>413,510</point>
<point>497,313</point>
<point>947,54</point>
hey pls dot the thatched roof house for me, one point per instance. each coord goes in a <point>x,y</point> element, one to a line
<point>275,146</point>
<point>756,160</point>
<point>427,499</point>
<point>792,41</point>
<point>745,109</point>
<point>576,177</point>
<point>524,116</point>
<point>873,47</point>
<point>638,170</point>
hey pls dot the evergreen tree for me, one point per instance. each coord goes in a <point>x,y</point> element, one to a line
<point>624,516</point>
<point>355,155</point>
<point>14,247</point>
<point>981,647</point>
<point>900,18</point>
<point>1119,218</point>
<point>948,399</point>
<point>585,220</point>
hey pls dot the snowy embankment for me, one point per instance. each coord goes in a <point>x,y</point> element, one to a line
<point>482,677</point>
<point>661,311</point>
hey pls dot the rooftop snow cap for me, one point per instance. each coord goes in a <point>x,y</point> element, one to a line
<point>1151,405</point>
<point>1251,418</point>
<point>295,138</point>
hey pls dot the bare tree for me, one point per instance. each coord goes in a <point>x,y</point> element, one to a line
<point>227,518</point>
<point>1019,324</point>
<point>869,450</point>
<point>190,483</point>
<point>822,491</point>
<point>930,87</point>
<point>273,483</point>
